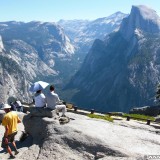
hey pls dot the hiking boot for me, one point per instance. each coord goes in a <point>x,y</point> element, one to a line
<point>12,156</point>
<point>16,152</point>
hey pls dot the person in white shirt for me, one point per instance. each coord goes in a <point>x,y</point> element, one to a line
<point>40,99</point>
<point>53,101</point>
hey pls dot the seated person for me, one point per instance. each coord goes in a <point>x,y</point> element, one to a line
<point>53,102</point>
<point>13,106</point>
<point>19,106</point>
<point>40,99</point>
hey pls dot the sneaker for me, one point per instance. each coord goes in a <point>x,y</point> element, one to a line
<point>12,156</point>
<point>16,152</point>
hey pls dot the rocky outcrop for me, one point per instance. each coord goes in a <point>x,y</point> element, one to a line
<point>85,138</point>
<point>41,112</point>
<point>146,110</point>
<point>72,144</point>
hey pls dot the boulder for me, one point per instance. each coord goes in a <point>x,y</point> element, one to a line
<point>37,126</point>
<point>37,119</point>
<point>87,138</point>
<point>146,110</point>
<point>63,142</point>
<point>42,112</point>
<point>157,119</point>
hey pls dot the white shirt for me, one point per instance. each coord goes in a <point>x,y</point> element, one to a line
<point>52,100</point>
<point>40,100</point>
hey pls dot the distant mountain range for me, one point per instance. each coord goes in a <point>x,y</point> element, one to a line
<point>42,51</point>
<point>123,70</point>
<point>83,32</point>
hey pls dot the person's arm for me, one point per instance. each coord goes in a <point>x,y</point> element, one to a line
<point>58,101</point>
<point>44,99</point>
<point>6,131</point>
<point>57,98</point>
<point>5,124</point>
<point>18,120</point>
<point>6,134</point>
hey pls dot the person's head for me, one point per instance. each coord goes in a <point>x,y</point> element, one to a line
<point>39,91</point>
<point>6,107</point>
<point>52,88</point>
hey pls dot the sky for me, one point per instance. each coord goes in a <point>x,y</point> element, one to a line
<point>54,10</point>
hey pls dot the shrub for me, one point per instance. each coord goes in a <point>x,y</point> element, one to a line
<point>139,117</point>
<point>106,117</point>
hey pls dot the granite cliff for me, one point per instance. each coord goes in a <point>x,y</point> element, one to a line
<point>123,70</point>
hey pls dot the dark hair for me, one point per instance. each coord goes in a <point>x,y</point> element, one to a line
<point>52,87</point>
<point>39,91</point>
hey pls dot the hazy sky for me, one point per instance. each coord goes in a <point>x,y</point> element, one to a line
<point>54,10</point>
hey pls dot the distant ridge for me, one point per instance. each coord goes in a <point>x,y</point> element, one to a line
<point>123,70</point>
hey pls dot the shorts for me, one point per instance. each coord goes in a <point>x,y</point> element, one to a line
<point>10,139</point>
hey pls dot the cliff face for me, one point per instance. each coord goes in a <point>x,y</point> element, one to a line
<point>30,52</point>
<point>13,82</point>
<point>123,70</point>
<point>1,44</point>
<point>142,18</point>
<point>19,66</point>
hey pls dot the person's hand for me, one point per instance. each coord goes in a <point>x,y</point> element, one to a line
<point>6,140</point>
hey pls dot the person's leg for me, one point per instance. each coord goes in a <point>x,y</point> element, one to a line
<point>57,110</point>
<point>13,142</point>
<point>15,147</point>
<point>8,148</point>
<point>61,108</point>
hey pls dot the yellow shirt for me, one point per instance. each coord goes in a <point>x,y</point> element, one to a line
<point>11,119</point>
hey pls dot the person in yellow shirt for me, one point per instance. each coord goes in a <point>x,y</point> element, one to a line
<point>10,122</point>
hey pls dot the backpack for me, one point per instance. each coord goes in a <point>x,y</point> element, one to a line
<point>64,120</point>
